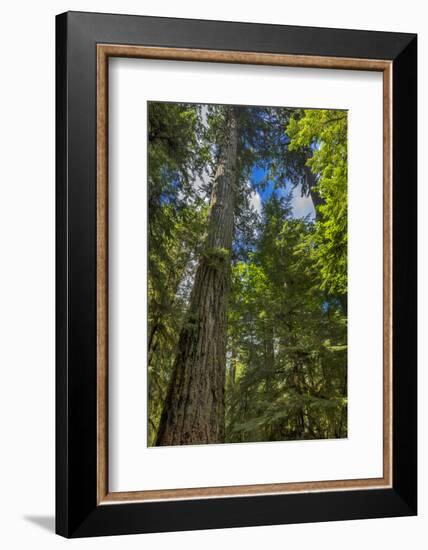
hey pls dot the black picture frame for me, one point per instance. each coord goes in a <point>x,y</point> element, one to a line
<point>77,511</point>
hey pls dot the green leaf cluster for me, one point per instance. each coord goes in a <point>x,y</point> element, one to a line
<point>287,375</point>
<point>325,133</point>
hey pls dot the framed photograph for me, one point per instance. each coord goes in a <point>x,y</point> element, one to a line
<point>236,274</point>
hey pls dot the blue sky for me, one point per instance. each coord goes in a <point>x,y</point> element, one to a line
<point>301,206</point>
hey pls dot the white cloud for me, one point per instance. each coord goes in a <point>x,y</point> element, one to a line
<point>201,182</point>
<point>302,206</point>
<point>256,202</point>
<point>204,115</point>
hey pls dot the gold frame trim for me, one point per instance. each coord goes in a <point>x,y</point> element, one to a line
<point>104,51</point>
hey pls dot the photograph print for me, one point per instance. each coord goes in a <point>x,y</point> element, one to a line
<point>247,274</point>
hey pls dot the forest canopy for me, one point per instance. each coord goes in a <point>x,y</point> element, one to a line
<point>247,276</point>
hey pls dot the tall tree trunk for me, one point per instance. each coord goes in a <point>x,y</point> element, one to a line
<point>194,408</point>
<point>311,183</point>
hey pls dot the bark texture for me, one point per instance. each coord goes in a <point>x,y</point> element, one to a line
<point>194,410</point>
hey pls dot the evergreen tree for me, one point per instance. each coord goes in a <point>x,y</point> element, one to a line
<point>247,310</point>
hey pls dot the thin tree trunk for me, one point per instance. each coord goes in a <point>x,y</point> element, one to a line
<point>232,374</point>
<point>194,410</point>
<point>269,355</point>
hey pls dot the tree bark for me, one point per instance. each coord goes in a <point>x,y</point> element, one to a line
<point>269,355</point>
<point>194,410</point>
<point>311,183</point>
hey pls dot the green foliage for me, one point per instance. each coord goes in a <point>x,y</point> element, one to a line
<point>177,219</point>
<point>325,132</point>
<point>289,339</point>
<point>216,257</point>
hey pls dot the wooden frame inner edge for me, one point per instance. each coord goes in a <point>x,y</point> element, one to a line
<point>104,51</point>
